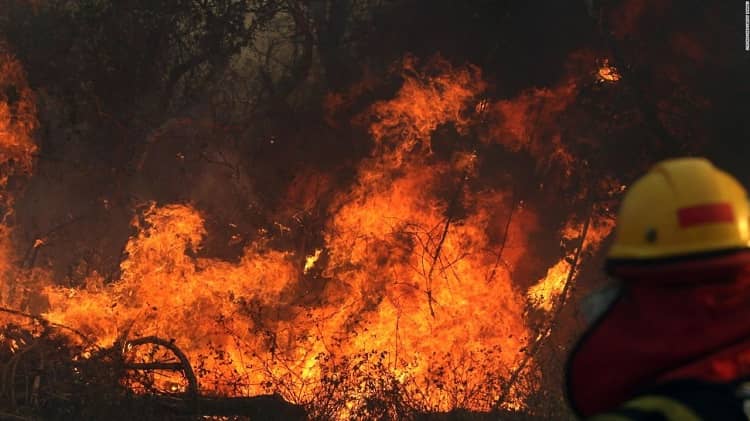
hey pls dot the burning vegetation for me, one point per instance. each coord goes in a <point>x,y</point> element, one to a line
<point>265,235</point>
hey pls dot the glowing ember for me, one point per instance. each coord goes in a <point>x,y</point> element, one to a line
<point>608,73</point>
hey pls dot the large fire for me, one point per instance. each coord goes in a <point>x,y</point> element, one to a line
<point>17,123</point>
<point>414,281</point>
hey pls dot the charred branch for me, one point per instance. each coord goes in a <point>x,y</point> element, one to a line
<point>532,351</point>
<point>504,241</point>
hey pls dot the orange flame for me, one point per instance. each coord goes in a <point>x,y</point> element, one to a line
<point>17,125</point>
<point>424,102</point>
<point>608,73</point>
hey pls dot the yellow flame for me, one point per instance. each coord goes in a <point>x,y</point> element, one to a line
<point>548,289</point>
<point>311,260</point>
<point>546,292</point>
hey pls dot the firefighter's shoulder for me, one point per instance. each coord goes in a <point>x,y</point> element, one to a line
<point>684,400</point>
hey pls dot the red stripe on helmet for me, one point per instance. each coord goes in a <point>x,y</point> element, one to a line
<point>705,214</point>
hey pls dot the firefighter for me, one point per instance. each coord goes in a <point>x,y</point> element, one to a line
<point>674,342</point>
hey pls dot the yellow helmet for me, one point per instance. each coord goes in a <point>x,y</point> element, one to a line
<point>682,207</point>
